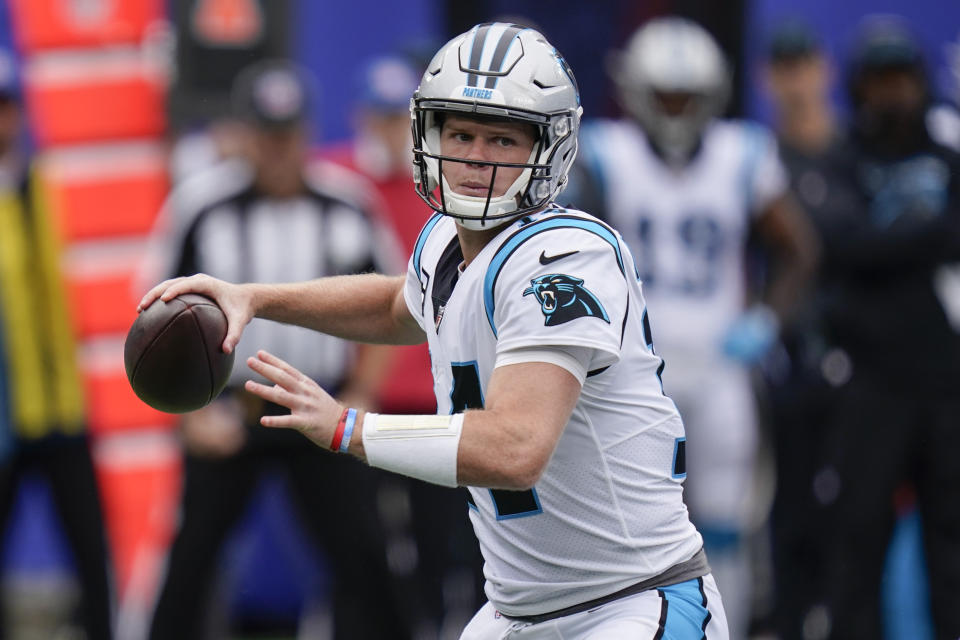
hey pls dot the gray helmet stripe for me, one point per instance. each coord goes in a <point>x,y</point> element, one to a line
<point>479,39</point>
<point>496,64</point>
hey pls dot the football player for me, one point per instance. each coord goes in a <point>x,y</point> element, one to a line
<point>686,189</point>
<point>550,407</point>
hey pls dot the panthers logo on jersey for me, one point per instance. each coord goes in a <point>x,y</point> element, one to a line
<point>563,298</point>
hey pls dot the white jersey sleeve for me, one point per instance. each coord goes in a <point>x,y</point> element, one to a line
<point>764,174</point>
<point>560,287</point>
<point>413,293</point>
<point>576,360</point>
<point>417,281</point>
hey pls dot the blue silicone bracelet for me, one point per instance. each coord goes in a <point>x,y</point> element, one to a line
<point>348,430</point>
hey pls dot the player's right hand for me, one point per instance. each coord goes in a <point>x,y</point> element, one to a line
<point>235,300</point>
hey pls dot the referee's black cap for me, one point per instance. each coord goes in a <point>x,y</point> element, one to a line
<point>274,94</point>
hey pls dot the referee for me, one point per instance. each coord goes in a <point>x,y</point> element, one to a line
<point>267,218</point>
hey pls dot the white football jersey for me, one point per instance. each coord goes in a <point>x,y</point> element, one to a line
<point>607,512</point>
<point>687,227</point>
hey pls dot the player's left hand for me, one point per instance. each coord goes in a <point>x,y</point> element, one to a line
<point>313,412</point>
<point>752,335</point>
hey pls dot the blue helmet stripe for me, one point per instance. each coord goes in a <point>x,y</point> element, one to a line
<point>517,239</point>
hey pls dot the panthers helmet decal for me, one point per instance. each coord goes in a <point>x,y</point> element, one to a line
<point>563,298</point>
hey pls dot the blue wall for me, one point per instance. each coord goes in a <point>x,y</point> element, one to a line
<point>336,40</point>
<point>934,21</point>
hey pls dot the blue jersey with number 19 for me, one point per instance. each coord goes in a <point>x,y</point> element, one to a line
<point>607,513</point>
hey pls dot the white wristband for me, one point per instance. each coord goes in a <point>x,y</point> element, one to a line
<point>422,447</point>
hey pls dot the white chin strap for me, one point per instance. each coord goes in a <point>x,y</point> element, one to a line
<point>471,207</point>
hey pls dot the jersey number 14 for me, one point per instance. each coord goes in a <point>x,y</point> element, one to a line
<point>467,394</point>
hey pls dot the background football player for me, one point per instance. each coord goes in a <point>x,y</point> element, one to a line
<point>687,190</point>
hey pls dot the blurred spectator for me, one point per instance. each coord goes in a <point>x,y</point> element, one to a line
<point>799,78</point>
<point>42,414</point>
<point>897,411</point>
<point>449,564</point>
<point>686,189</point>
<point>265,217</point>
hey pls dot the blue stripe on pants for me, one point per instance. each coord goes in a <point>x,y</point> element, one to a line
<point>687,614</point>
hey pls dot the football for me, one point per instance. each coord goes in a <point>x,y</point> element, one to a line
<point>173,353</point>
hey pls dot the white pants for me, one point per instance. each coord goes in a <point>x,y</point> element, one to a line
<point>718,407</point>
<point>689,610</point>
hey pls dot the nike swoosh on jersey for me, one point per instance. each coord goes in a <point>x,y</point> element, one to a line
<point>545,259</point>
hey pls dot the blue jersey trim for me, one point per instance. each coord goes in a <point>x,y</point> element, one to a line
<point>687,613</point>
<point>422,240</point>
<point>524,234</point>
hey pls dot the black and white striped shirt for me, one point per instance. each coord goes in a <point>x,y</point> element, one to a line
<point>237,234</point>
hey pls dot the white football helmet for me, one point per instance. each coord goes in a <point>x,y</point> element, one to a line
<point>672,56</point>
<point>504,71</point>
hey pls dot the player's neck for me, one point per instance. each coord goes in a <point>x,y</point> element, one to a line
<point>472,241</point>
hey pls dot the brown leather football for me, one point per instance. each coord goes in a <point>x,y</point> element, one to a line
<point>173,353</point>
